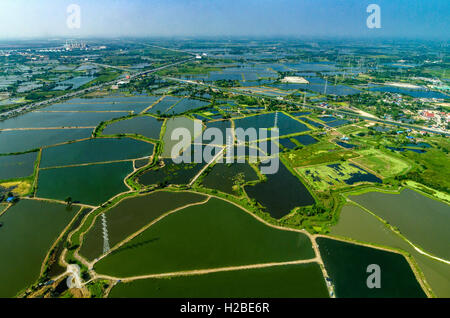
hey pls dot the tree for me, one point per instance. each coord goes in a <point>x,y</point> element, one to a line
<point>69,201</point>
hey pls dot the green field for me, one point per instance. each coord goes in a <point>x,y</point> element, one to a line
<point>381,163</point>
<point>215,234</point>
<point>288,281</point>
<point>321,152</point>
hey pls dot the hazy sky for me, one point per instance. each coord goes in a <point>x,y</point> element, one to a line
<point>347,18</point>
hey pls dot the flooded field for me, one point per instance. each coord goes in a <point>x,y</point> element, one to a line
<point>289,281</point>
<point>24,140</point>
<point>95,150</point>
<point>287,143</point>
<point>221,125</point>
<point>311,122</point>
<point>214,234</point>
<point>224,176</point>
<point>186,105</point>
<point>171,173</point>
<point>286,124</point>
<point>92,184</point>
<point>127,104</point>
<point>38,119</point>
<point>39,223</point>
<point>171,125</point>
<point>132,214</point>
<point>347,264</point>
<point>336,175</point>
<point>164,105</point>
<point>305,139</point>
<point>417,93</point>
<point>357,224</point>
<point>17,166</point>
<point>422,220</point>
<point>280,193</point>
<point>146,126</point>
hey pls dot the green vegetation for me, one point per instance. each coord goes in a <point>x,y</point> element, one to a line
<point>381,163</point>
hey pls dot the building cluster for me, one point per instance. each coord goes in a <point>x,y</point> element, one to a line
<point>439,117</point>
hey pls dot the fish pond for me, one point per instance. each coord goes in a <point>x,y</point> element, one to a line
<point>164,105</point>
<point>132,214</point>
<point>170,173</point>
<point>422,220</point>
<point>289,281</point>
<point>224,177</point>
<point>212,235</point>
<point>125,104</point>
<point>146,126</point>
<point>286,124</point>
<point>280,193</point>
<point>39,119</point>
<point>357,224</point>
<point>29,229</point>
<point>17,166</point>
<point>25,140</point>
<point>91,184</point>
<point>347,265</point>
<point>95,150</point>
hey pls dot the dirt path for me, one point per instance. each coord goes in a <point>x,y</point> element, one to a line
<point>149,107</point>
<point>48,128</point>
<point>206,271</point>
<point>216,157</point>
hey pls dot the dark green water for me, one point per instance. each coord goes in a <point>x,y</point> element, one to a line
<point>280,193</point>
<point>29,229</point>
<point>146,126</point>
<point>18,166</point>
<point>215,234</point>
<point>131,215</point>
<point>171,173</point>
<point>141,163</point>
<point>95,150</point>
<point>93,184</point>
<point>290,281</point>
<point>222,176</point>
<point>347,266</point>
